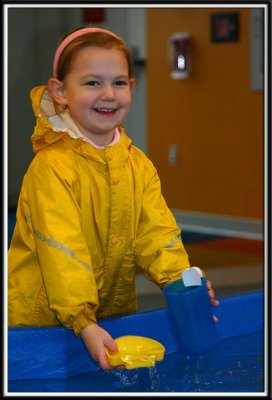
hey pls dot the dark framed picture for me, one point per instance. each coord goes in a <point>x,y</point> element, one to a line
<point>225,27</point>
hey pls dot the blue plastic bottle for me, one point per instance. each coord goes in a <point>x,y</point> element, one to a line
<point>190,315</point>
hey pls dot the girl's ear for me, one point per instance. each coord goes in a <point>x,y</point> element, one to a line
<point>57,91</point>
<point>132,84</point>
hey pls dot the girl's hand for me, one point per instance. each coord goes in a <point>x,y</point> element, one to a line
<point>96,339</point>
<point>214,302</point>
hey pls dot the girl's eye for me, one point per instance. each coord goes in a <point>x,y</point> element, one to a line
<point>92,83</point>
<point>120,83</point>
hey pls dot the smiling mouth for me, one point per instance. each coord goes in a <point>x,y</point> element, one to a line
<point>105,111</point>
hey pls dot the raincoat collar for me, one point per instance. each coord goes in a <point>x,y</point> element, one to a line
<point>54,124</point>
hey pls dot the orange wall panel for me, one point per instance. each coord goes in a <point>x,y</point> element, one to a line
<point>213,117</point>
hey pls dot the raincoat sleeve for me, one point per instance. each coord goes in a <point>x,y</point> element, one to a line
<point>55,220</point>
<point>159,248</point>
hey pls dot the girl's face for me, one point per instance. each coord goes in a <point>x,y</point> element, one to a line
<point>97,91</point>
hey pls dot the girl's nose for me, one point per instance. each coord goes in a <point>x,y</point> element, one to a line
<point>108,93</point>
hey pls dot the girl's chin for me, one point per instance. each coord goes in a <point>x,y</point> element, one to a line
<point>100,134</point>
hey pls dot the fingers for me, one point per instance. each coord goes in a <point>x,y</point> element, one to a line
<point>111,344</point>
<point>213,301</point>
<point>113,348</point>
<point>101,356</point>
<point>103,361</point>
<point>209,285</point>
<point>105,364</point>
<point>96,340</point>
<point>211,293</point>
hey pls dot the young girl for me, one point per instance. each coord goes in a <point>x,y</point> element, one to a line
<point>90,209</point>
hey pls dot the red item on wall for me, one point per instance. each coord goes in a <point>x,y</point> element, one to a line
<point>93,15</point>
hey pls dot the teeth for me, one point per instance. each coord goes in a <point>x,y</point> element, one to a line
<point>105,109</point>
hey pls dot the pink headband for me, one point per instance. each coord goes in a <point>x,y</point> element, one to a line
<point>72,37</point>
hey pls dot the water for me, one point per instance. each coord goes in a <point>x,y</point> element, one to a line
<point>236,365</point>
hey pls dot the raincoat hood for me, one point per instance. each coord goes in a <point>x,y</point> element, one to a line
<point>52,122</point>
<point>50,125</point>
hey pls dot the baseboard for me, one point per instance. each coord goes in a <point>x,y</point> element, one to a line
<point>220,224</point>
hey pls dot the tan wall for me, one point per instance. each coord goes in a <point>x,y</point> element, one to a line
<point>213,117</point>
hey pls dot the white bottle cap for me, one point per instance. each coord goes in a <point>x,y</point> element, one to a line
<point>192,276</point>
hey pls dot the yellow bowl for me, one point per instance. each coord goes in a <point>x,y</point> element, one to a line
<point>136,352</point>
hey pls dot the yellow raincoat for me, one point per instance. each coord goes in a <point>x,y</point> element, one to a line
<point>86,218</point>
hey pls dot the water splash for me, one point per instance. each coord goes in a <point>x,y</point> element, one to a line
<point>192,375</point>
<point>156,379</point>
<point>126,378</point>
